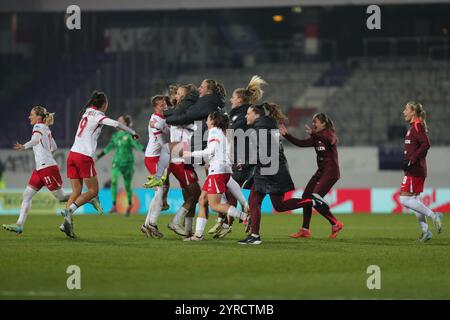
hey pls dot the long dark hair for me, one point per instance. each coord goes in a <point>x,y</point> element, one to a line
<point>98,99</point>
<point>216,87</point>
<point>329,124</point>
<point>220,120</point>
<point>269,109</point>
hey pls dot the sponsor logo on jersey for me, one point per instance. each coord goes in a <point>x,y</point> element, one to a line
<point>407,141</point>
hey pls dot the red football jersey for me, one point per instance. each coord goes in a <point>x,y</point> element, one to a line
<point>416,148</point>
<point>324,142</point>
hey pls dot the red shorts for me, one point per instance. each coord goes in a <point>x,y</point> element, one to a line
<point>49,177</point>
<point>152,164</point>
<point>80,166</point>
<point>216,183</point>
<point>184,173</point>
<point>412,184</point>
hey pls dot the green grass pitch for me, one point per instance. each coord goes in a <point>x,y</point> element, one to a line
<point>118,262</point>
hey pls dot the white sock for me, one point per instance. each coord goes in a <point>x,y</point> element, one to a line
<point>225,226</point>
<point>188,222</point>
<point>255,235</point>
<point>416,205</point>
<point>163,162</point>
<point>234,212</point>
<point>181,213</point>
<point>26,204</point>
<point>154,209</point>
<point>200,226</point>
<point>422,222</point>
<point>73,207</point>
<point>61,195</point>
<point>236,191</point>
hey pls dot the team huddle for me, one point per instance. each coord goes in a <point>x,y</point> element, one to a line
<point>180,120</point>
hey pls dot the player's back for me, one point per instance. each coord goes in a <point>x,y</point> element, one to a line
<point>88,132</point>
<point>43,150</point>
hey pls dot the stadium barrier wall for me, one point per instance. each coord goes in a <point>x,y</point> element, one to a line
<point>342,201</point>
<point>359,168</point>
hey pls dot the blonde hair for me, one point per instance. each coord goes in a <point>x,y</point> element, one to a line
<point>253,92</point>
<point>47,117</point>
<point>420,112</point>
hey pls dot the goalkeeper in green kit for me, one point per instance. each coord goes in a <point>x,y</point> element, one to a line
<point>123,161</point>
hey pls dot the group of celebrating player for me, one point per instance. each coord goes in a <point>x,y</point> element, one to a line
<point>187,112</point>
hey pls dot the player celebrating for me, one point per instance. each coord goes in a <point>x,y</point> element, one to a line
<point>241,100</point>
<point>156,160</point>
<point>264,119</point>
<point>47,171</point>
<point>219,174</point>
<point>323,139</point>
<point>123,161</point>
<point>415,167</point>
<point>182,222</point>
<point>80,162</point>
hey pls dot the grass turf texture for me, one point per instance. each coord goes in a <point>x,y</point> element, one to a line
<point>118,262</point>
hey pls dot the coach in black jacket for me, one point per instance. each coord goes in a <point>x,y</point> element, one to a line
<point>264,118</point>
<point>280,182</point>
<point>241,167</point>
<point>212,98</point>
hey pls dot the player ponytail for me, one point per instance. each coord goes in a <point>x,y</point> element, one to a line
<point>329,124</point>
<point>271,110</point>
<point>97,100</point>
<point>253,92</point>
<point>171,93</point>
<point>220,120</point>
<point>420,113</point>
<point>216,87</point>
<point>47,117</point>
<point>187,88</point>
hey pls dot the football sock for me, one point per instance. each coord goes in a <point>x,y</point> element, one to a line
<point>422,222</point>
<point>73,207</point>
<point>236,191</point>
<point>179,215</point>
<point>416,205</point>
<point>233,212</point>
<point>163,162</point>
<point>60,195</point>
<point>255,235</point>
<point>188,222</point>
<point>326,213</point>
<point>200,226</point>
<point>26,203</point>
<point>307,214</point>
<point>155,207</point>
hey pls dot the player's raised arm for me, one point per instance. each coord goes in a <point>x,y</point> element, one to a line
<point>113,123</point>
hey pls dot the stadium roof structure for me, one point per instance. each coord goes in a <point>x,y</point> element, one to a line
<point>117,5</point>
